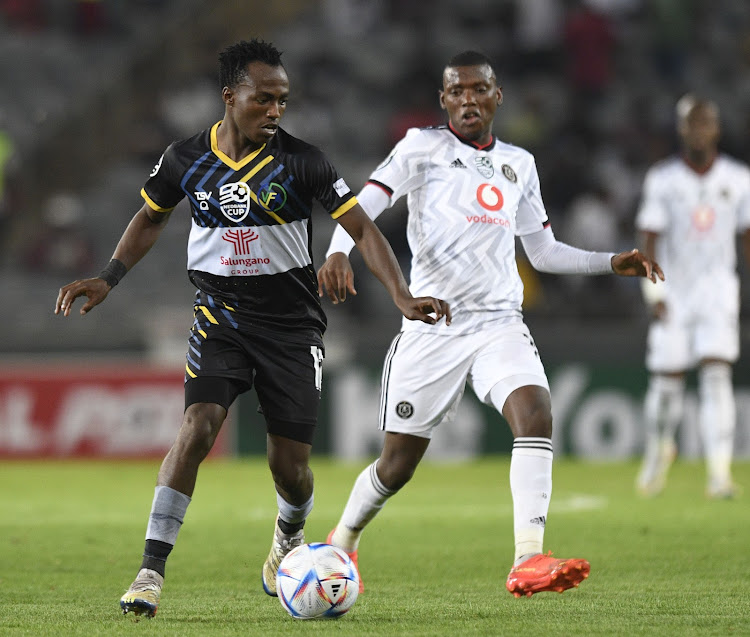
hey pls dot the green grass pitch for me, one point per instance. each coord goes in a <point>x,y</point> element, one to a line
<point>434,562</point>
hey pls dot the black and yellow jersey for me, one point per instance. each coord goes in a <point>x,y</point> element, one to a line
<point>249,251</point>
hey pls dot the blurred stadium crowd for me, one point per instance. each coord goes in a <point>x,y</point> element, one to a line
<point>94,90</point>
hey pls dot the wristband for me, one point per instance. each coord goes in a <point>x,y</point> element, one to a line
<point>113,273</point>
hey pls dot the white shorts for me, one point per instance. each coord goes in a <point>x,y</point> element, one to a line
<point>677,347</point>
<point>425,375</point>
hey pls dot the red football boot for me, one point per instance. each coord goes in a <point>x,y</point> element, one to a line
<point>352,556</point>
<point>546,573</point>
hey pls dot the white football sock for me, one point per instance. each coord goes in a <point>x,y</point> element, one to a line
<point>717,415</point>
<point>167,513</point>
<point>293,514</point>
<point>367,498</point>
<point>663,408</point>
<point>662,412</point>
<point>531,488</point>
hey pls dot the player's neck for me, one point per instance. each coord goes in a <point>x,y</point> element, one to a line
<point>699,161</point>
<point>232,143</point>
<point>481,143</point>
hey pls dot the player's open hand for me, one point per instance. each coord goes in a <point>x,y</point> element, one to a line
<point>635,263</point>
<point>423,308</point>
<point>336,278</point>
<point>95,289</point>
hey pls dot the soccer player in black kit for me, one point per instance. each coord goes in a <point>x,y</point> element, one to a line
<point>258,319</point>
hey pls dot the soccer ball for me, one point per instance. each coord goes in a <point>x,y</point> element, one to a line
<point>317,580</point>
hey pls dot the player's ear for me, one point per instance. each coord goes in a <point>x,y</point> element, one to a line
<point>441,95</point>
<point>499,95</point>
<point>228,96</point>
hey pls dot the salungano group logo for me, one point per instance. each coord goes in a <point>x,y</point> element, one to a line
<point>240,239</point>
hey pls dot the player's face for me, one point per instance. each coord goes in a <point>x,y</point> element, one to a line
<point>471,95</point>
<point>700,129</point>
<point>258,102</point>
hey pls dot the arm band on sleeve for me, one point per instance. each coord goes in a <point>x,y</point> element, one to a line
<point>547,254</point>
<point>114,272</point>
<point>374,201</point>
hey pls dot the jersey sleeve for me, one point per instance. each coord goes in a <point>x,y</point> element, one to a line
<point>652,214</point>
<point>405,168</point>
<point>531,215</point>
<point>162,190</point>
<point>327,186</point>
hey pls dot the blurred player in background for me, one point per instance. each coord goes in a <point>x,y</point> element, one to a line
<point>693,206</point>
<point>469,195</point>
<point>258,317</point>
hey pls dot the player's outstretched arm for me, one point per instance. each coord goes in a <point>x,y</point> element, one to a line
<point>379,258</point>
<point>635,263</point>
<point>142,232</point>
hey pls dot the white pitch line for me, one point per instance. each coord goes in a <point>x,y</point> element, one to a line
<point>576,502</point>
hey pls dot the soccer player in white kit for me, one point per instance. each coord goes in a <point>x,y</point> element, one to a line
<point>469,195</point>
<point>693,206</point>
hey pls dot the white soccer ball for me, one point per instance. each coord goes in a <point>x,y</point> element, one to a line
<point>317,580</point>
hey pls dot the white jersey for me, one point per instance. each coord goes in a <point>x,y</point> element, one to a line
<point>697,217</point>
<point>466,207</point>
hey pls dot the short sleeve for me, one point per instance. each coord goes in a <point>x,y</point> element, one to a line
<point>531,215</point>
<point>162,190</point>
<point>326,185</point>
<point>652,214</point>
<point>405,168</point>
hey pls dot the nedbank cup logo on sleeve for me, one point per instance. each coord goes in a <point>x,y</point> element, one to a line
<point>234,199</point>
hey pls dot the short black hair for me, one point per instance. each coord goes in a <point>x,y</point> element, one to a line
<point>234,59</point>
<point>689,102</point>
<point>470,58</point>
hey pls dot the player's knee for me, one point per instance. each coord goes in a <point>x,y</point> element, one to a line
<point>395,472</point>
<point>290,476</point>
<point>529,412</point>
<point>198,433</point>
<point>535,423</point>
<point>714,376</point>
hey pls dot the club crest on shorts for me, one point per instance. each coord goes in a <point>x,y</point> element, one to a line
<point>234,199</point>
<point>509,173</point>
<point>484,166</point>
<point>404,410</point>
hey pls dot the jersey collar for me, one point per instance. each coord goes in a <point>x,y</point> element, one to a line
<point>700,170</point>
<point>488,146</point>
<point>234,165</point>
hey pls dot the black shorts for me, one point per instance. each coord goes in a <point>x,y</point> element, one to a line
<point>223,362</point>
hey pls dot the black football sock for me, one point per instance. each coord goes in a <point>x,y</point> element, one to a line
<point>155,555</point>
<point>289,528</point>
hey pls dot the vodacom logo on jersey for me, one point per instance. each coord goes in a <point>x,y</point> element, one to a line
<point>704,218</point>
<point>490,198</point>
